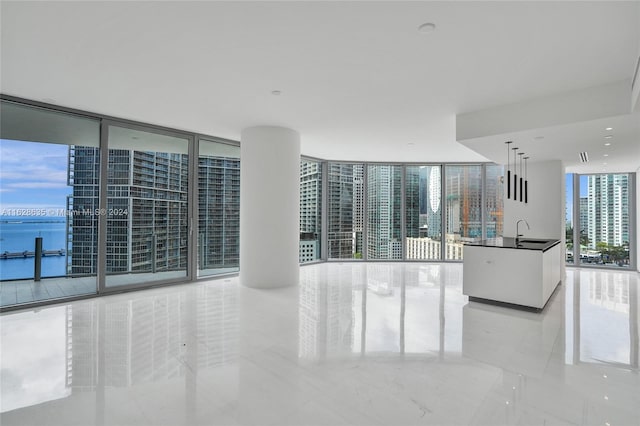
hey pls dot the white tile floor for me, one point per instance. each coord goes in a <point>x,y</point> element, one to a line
<point>355,343</point>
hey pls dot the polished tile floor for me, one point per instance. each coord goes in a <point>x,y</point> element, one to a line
<point>364,344</point>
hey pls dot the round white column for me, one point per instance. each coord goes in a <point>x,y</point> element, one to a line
<point>269,207</point>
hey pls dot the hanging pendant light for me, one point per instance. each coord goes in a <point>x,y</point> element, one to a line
<point>515,175</point>
<point>520,154</point>
<point>508,170</point>
<point>526,182</point>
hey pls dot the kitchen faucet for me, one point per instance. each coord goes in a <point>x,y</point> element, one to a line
<point>518,234</point>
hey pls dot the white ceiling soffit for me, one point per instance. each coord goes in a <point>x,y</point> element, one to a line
<point>597,120</point>
<point>358,80</point>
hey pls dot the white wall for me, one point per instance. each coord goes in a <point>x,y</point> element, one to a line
<point>545,211</point>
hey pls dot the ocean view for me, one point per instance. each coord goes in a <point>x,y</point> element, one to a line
<point>18,234</point>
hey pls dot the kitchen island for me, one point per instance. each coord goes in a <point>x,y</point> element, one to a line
<point>523,273</point>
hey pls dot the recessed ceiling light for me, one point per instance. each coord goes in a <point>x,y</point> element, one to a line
<point>276,93</point>
<point>609,128</point>
<point>607,144</point>
<point>427,28</point>
<point>608,136</point>
<point>606,155</point>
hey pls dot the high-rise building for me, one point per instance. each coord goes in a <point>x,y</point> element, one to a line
<point>430,205</point>
<point>82,229</point>
<point>341,232</point>
<point>584,214</point>
<point>464,199</point>
<point>358,208</point>
<point>494,200</point>
<point>413,201</point>
<point>218,212</point>
<point>147,220</point>
<point>384,191</point>
<point>310,210</point>
<point>608,209</point>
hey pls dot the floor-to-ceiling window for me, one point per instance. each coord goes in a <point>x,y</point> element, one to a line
<point>147,220</point>
<point>218,208</point>
<point>139,210</point>
<point>599,225</point>
<point>384,211</point>
<point>494,200</point>
<point>310,210</point>
<point>107,204</point>
<point>607,232</point>
<point>463,208</point>
<point>423,212</point>
<point>568,213</point>
<point>345,207</point>
<point>48,204</point>
<point>406,207</point>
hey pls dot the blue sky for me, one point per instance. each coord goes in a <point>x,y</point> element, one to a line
<point>33,175</point>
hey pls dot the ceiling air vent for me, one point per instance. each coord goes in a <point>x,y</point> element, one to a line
<point>584,157</point>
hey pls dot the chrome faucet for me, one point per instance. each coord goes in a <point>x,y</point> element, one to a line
<point>518,234</point>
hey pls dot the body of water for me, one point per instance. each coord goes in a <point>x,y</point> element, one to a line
<point>18,234</point>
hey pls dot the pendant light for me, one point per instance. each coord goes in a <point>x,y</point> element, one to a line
<point>526,182</point>
<point>515,175</point>
<point>508,170</point>
<point>520,154</point>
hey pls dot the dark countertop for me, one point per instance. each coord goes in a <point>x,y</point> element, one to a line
<point>510,243</point>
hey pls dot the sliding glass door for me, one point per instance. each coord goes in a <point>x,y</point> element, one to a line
<point>218,208</point>
<point>93,204</point>
<point>48,202</point>
<point>147,210</point>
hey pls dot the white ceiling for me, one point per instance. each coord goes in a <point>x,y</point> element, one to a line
<point>358,80</point>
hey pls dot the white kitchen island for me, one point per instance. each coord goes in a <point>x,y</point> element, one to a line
<point>523,273</point>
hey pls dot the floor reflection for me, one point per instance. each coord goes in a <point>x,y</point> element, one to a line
<point>354,343</point>
<point>120,341</point>
<point>601,312</point>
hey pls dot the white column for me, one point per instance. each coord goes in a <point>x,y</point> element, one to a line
<point>269,207</point>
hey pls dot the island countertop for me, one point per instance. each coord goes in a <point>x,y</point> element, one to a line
<point>523,244</point>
